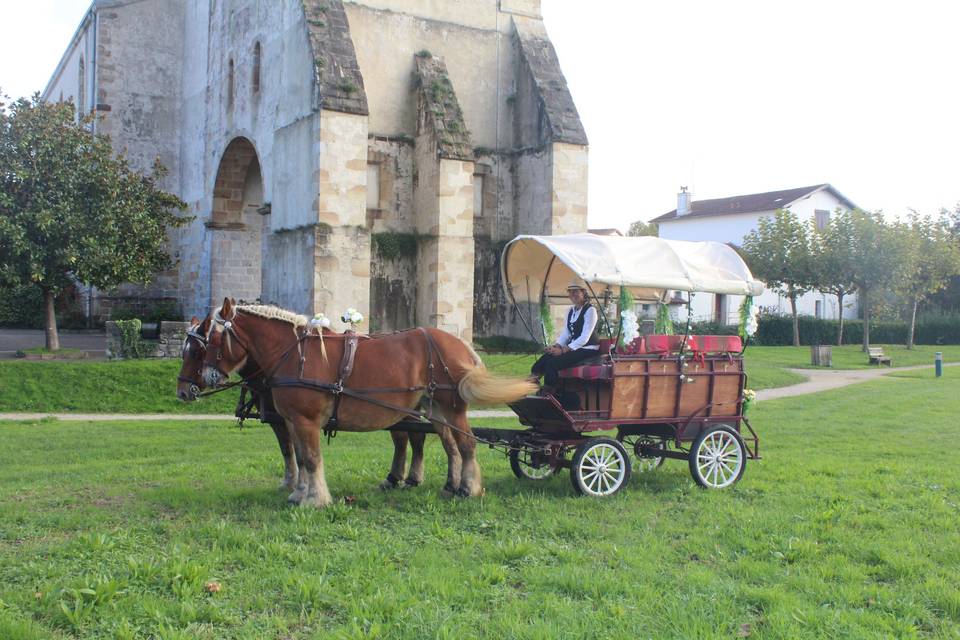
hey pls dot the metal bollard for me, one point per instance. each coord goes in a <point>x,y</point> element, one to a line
<point>938,363</point>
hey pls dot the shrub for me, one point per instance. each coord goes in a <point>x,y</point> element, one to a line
<point>778,331</point>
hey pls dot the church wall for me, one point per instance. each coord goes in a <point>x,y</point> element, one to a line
<point>280,122</point>
<point>386,41</point>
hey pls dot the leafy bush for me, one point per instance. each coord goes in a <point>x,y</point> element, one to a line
<point>131,345</point>
<point>778,331</point>
<point>147,310</point>
<point>22,307</point>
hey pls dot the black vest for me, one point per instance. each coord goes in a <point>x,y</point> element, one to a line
<point>576,328</point>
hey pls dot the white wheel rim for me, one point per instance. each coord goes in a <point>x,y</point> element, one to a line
<point>601,470</point>
<point>531,471</point>
<point>719,459</point>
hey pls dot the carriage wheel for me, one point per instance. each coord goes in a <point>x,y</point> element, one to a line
<point>646,462</point>
<point>600,467</point>
<point>718,457</point>
<point>529,465</point>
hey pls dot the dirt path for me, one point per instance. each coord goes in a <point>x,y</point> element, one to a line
<point>823,380</point>
<point>817,380</point>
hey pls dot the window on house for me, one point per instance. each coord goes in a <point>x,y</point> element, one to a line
<point>81,89</point>
<point>818,309</point>
<point>230,83</point>
<point>478,195</point>
<point>822,218</point>
<point>256,68</point>
<point>373,186</point>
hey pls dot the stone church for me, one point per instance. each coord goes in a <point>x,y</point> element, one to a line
<point>374,154</point>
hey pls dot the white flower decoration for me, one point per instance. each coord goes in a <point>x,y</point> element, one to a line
<point>320,320</point>
<point>352,317</point>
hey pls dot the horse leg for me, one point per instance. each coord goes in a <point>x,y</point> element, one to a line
<point>300,482</point>
<point>399,460</point>
<point>290,469</point>
<point>415,475</point>
<point>471,483</point>
<point>317,494</point>
<point>454,461</point>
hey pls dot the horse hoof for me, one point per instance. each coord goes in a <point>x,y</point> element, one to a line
<point>387,485</point>
<point>410,483</point>
<point>295,498</point>
<point>448,492</point>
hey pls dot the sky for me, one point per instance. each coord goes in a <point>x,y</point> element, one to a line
<point>725,98</point>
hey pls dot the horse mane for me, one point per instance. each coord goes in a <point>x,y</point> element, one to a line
<point>271,312</point>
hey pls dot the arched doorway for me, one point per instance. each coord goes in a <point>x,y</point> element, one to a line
<point>237,224</point>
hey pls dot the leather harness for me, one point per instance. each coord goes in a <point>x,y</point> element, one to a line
<point>338,388</point>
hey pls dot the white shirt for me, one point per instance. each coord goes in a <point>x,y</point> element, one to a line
<point>589,324</point>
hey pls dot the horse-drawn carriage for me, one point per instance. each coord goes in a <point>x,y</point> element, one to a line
<point>656,396</point>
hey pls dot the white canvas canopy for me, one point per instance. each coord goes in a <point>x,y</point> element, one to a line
<point>649,267</point>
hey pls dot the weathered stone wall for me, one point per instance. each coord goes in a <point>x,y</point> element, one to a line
<point>342,267</point>
<point>393,291</point>
<point>441,95</point>
<point>168,342</point>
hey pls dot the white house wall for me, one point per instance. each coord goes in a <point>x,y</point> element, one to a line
<point>733,228</point>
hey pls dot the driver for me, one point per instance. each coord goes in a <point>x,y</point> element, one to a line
<point>577,342</point>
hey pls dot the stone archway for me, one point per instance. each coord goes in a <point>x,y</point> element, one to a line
<point>237,225</point>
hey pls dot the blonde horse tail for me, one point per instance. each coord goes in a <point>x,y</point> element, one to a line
<point>481,386</point>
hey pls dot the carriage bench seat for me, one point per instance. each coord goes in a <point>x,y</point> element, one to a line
<point>588,372</point>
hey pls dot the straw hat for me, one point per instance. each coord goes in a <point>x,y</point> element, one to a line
<point>575,284</point>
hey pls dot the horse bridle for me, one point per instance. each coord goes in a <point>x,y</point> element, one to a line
<point>193,333</point>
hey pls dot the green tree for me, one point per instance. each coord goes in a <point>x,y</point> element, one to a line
<point>934,258</point>
<point>641,228</point>
<point>833,267</point>
<point>72,211</point>
<point>881,253</point>
<point>779,253</point>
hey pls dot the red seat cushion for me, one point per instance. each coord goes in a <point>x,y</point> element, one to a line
<point>720,344</point>
<point>588,372</point>
<point>667,344</point>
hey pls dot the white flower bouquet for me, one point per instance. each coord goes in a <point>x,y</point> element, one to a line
<point>352,317</point>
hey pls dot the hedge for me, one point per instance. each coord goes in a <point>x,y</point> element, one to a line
<point>778,331</point>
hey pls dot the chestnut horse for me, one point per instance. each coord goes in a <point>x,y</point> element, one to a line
<point>392,373</point>
<point>190,383</point>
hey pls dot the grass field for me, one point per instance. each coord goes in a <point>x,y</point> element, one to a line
<point>149,386</point>
<point>846,529</point>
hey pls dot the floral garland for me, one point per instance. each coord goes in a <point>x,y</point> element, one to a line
<point>748,318</point>
<point>749,397</point>
<point>663,325</point>
<point>629,326</point>
<point>546,321</point>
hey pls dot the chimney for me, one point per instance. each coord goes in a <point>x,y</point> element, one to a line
<point>683,202</point>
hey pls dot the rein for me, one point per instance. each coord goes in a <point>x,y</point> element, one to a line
<point>337,389</point>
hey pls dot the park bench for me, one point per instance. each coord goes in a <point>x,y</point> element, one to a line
<point>877,357</point>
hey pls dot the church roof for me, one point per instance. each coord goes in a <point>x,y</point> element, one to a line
<point>752,203</point>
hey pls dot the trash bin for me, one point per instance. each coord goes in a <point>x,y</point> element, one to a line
<point>821,355</point>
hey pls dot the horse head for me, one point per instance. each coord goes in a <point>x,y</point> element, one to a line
<point>226,349</point>
<point>190,379</point>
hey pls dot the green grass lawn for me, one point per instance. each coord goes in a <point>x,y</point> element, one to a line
<point>149,386</point>
<point>846,529</point>
<point>849,356</point>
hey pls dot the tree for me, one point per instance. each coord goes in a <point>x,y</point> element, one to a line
<point>934,259</point>
<point>70,210</point>
<point>834,270</point>
<point>880,252</point>
<point>641,228</point>
<point>779,253</point>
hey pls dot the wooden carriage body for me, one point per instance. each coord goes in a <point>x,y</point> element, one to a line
<point>670,394</point>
